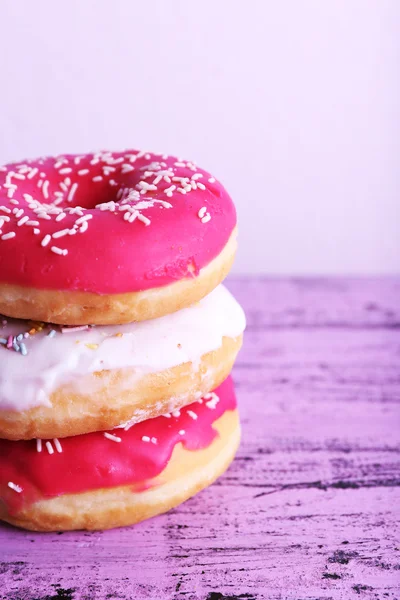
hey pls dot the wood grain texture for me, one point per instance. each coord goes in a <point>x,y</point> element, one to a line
<point>310,508</point>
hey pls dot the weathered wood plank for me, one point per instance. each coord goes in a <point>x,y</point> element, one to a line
<point>310,507</point>
<point>319,302</point>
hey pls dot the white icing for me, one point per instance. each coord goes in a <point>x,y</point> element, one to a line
<point>149,346</point>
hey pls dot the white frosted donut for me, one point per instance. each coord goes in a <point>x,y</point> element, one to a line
<point>55,384</point>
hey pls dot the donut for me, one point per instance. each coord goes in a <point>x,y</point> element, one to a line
<point>110,238</point>
<point>103,480</point>
<point>64,381</point>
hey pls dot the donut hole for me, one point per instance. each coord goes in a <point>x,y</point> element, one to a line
<point>88,195</point>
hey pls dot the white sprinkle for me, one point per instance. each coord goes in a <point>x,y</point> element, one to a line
<point>106,206</point>
<point>127,168</point>
<point>212,179</point>
<point>145,438</point>
<point>114,161</point>
<point>8,236</point>
<point>97,178</point>
<point>107,170</point>
<point>212,400</point>
<point>60,163</point>
<point>14,202</point>
<point>84,227</point>
<point>5,209</point>
<point>63,187</point>
<point>14,487</point>
<point>83,219</point>
<point>113,182</point>
<point>157,179</point>
<point>65,171</point>
<point>192,414</point>
<point>57,444</point>
<point>196,176</point>
<point>18,212</point>
<point>40,183</point>
<point>182,432</point>
<point>45,240</point>
<point>113,438</point>
<point>181,191</point>
<point>206,218</point>
<point>144,219</point>
<point>59,251</point>
<point>76,210</point>
<point>167,415</point>
<point>61,216</point>
<point>39,445</point>
<point>176,413</point>
<point>202,212</point>
<point>164,204</point>
<point>45,189</point>
<point>132,216</point>
<point>201,186</point>
<point>153,440</point>
<point>36,231</point>
<point>22,221</point>
<point>147,186</point>
<point>72,192</point>
<point>50,448</point>
<point>32,173</point>
<point>60,233</point>
<point>169,190</point>
<point>83,172</point>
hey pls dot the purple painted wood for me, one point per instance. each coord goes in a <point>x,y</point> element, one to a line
<point>310,507</point>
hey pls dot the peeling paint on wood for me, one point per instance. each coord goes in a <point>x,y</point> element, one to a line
<point>310,507</point>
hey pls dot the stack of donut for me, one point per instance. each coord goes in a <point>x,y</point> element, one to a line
<point>117,338</point>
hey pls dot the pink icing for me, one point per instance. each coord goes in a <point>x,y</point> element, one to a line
<point>173,234</point>
<point>92,461</point>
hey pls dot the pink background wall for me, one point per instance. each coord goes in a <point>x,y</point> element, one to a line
<point>293,104</point>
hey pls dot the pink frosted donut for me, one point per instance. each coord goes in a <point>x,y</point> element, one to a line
<point>102,480</point>
<point>110,237</point>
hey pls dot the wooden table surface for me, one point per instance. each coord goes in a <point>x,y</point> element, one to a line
<point>309,509</point>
